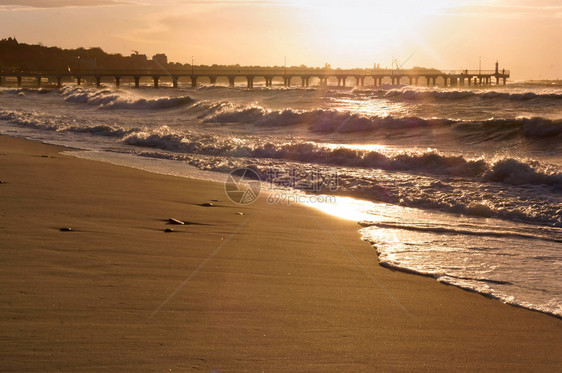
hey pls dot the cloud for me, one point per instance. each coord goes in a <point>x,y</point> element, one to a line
<point>58,3</point>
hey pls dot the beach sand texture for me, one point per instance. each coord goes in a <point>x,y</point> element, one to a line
<point>280,288</point>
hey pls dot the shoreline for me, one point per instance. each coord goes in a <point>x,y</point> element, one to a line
<point>307,294</point>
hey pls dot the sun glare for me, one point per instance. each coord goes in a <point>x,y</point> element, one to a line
<point>373,28</point>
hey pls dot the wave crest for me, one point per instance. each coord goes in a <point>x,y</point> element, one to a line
<point>109,99</point>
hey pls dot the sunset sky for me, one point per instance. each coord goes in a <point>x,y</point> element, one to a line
<point>524,35</point>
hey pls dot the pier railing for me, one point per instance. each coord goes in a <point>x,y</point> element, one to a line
<point>208,71</point>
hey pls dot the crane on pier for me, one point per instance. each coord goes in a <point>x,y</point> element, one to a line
<point>397,63</point>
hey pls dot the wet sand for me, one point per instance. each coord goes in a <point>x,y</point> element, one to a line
<point>280,288</point>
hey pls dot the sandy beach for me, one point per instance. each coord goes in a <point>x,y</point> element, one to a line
<point>279,288</point>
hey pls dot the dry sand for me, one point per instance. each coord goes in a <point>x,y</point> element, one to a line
<point>272,289</point>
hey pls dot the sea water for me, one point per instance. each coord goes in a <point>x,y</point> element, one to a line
<point>464,185</point>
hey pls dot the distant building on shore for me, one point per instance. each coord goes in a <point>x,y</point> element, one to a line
<point>160,58</point>
<point>139,59</point>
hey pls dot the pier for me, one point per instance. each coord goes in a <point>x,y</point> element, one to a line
<point>286,76</point>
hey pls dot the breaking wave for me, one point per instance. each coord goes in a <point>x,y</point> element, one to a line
<point>109,99</point>
<point>507,170</point>
<point>330,121</point>
<point>436,95</point>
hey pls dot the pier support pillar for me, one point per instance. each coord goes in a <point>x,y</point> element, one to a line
<point>175,81</point>
<point>38,77</point>
<point>79,80</point>
<point>19,80</point>
<point>504,81</point>
<point>156,81</point>
<point>193,81</point>
<point>357,78</point>
<point>445,80</point>
<point>59,82</point>
<point>428,80</point>
<point>231,81</point>
<point>287,81</point>
<point>250,81</point>
<point>137,81</point>
<point>303,81</point>
<point>268,81</point>
<point>98,81</point>
<point>117,81</point>
<point>213,79</point>
<point>343,80</point>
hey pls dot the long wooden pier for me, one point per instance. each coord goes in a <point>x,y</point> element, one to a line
<point>431,77</point>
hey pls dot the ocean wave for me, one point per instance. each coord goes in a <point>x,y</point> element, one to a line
<point>333,121</point>
<point>110,99</point>
<point>506,170</point>
<point>451,95</point>
<point>318,120</point>
<point>60,124</point>
<point>495,129</point>
<point>503,170</point>
<point>18,90</point>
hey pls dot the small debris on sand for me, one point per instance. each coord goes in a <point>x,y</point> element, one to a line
<point>239,213</point>
<point>169,230</point>
<point>207,204</point>
<point>66,229</point>
<point>175,221</point>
